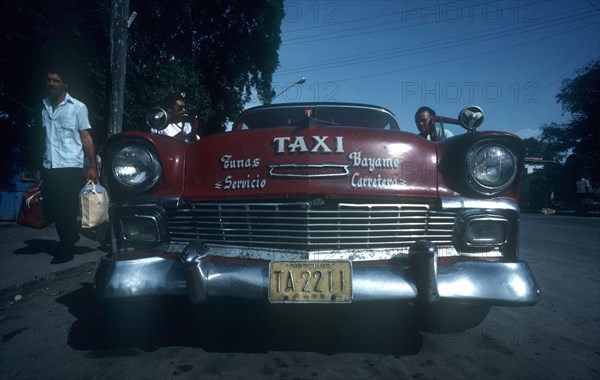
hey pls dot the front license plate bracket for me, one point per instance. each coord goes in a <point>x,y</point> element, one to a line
<point>310,282</point>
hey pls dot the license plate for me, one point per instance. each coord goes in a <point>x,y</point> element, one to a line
<point>310,282</point>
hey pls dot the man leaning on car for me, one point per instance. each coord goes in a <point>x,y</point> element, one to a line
<point>424,119</point>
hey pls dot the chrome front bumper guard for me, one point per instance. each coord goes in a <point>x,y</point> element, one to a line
<point>201,276</point>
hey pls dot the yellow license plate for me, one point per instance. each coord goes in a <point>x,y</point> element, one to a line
<point>310,282</point>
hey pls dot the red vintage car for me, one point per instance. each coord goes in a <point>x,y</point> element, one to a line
<point>317,203</point>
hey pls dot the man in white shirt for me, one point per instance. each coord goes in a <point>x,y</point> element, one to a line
<point>67,142</point>
<point>584,201</point>
<point>582,186</point>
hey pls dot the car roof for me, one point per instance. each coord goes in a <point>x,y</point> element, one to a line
<point>316,104</point>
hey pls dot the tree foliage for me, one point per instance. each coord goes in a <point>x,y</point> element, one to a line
<point>580,97</point>
<point>216,53</point>
<point>536,148</point>
<point>37,34</point>
<point>71,33</point>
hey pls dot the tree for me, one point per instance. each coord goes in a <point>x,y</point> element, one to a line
<point>71,33</point>
<point>215,52</point>
<point>580,97</point>
<point>535,148</point>
<point>119,12</point>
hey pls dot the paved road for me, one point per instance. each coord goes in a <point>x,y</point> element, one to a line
<point>59,331</point>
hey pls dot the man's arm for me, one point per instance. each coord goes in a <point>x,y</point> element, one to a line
<point>193,135</point>
<point>88,149</point>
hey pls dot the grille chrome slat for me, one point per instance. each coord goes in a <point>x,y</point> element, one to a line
<point>302,226</point>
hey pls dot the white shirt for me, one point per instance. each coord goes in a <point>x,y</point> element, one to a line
<point>440,134</point>
<point>582,186</point>
<point>173,129</point>
<point>62,126</point>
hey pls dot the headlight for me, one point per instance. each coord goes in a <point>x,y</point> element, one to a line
<point>485,232</point>
<point>491,168</point>
<point>477,230</point>
<point>140,228</point>
<point>135,167</point>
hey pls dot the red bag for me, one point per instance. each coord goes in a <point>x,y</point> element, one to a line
<point>31,213</point>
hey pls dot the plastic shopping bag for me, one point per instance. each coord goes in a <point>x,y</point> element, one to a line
<point>94,205</point>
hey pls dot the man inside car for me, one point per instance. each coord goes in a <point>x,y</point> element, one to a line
<point>180,126</point>
<point>425,121</point>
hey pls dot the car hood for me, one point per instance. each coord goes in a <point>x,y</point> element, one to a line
<point>291,162</point>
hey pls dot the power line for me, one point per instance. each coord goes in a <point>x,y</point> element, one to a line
<point>449,43</point>
<point>549,76</point>
<point>461,57</point>
<point>569,21</point>
<point>391,53</point>
<point>353,30</point>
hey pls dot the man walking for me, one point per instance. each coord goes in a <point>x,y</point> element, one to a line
<point>584,202</point>
<point>67,139</point>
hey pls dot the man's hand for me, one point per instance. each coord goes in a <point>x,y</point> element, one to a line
<point>92,173</point>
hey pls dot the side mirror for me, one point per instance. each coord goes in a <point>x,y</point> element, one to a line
<point>157,118</point>
<point>470,118</point>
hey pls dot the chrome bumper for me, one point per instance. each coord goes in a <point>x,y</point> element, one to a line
<point>201,276</point>
<point>147,277</point>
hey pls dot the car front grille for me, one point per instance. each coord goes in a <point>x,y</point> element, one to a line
<point>310,226</point>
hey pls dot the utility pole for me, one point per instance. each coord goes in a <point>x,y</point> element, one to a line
<point>118,58</point>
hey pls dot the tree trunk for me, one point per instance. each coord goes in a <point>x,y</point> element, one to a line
<point>118,60</point>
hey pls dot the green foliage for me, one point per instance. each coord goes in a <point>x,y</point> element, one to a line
<point>214,52</point>
<point>36,34</point>
<point>574,146</point>
<point>536,148</point>
<point>151,86</point>
<point>220,51</point>
<point>538,190</point>
<point>579,96</point>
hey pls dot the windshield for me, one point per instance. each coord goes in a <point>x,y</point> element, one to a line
<point>311,115</point>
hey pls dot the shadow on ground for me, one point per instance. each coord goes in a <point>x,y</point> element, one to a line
<point>237,326</point>
<point>50,247</point>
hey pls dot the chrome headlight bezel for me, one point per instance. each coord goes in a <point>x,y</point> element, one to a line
<point>135,166</point>
<point>490,167</point>
<point>139,227</point>
<point>484,230</point>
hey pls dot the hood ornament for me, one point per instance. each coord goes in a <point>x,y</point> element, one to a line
<point>470,118</point>
<point>157,118</point>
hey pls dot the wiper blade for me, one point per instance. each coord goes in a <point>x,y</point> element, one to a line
<point>315,121</point>
<point>309,122</point>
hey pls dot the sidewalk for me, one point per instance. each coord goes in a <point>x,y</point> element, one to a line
<point>26,256</point>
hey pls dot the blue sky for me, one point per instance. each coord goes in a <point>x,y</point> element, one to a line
<point>509,57</point>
